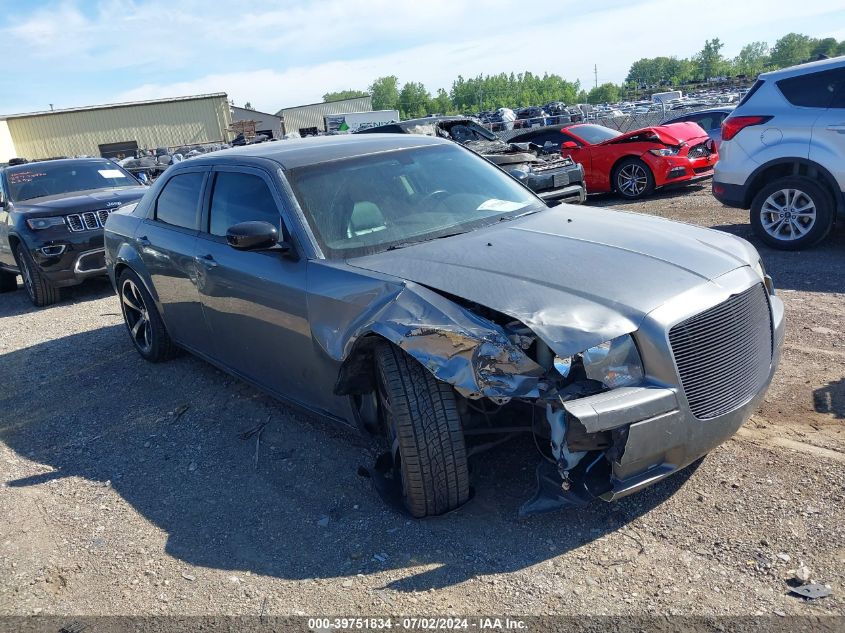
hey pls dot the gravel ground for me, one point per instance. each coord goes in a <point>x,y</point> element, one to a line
<point>127,489</point>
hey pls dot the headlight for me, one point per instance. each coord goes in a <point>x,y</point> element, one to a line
<point>767,281</point>
<point>666,151</point>
<point>37,224</point>
<point>614,363</point>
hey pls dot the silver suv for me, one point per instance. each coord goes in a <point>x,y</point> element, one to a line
<point>783,154</point>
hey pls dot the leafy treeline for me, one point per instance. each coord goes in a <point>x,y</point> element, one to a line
<point>489,92</point>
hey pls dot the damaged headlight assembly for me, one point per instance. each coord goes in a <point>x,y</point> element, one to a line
<point>614,363</point>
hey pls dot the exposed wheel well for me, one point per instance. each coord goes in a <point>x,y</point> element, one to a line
<point>794,167</point>
<point>118,269</point>
<point>357,372</point>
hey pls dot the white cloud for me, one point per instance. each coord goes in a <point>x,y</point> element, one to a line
<point>276,55</point>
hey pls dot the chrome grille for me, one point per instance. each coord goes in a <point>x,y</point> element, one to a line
<point>724,354</point>
<point>74,223</point>
<point>699,151</point>
<point>89,220</point>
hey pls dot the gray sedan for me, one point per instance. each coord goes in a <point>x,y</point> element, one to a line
<point>404,285</point>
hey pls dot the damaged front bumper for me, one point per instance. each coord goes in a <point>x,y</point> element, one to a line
<point>615,443</point>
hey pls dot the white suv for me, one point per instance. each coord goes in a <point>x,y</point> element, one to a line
<point>783,154</point>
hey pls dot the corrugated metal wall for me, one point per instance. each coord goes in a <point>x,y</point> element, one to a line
<point>7,146</point>
<point>161,124</point>
<point>308,116</point>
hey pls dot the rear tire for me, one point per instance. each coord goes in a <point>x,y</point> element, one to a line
<point>143,322</point>
<point>41,290</point>
<point>792,213</point>
<point>632,179</point>
<point>8,281</point>
<point>423,427</point>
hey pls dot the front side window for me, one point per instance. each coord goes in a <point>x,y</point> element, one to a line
<point>381,201</point>
<point>239,197</point>
<point>51,178</point>
<point>178,202</point>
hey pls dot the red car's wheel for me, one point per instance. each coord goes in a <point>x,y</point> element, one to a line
<point>633,179</point>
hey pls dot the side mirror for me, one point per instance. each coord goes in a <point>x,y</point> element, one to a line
<point>569,145</point>
<point>255,236</point>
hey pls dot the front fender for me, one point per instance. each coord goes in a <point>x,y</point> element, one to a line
<point>471,353</point>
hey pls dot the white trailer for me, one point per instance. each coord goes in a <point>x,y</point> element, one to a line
<point>355,121</point>
<point>666,97</point>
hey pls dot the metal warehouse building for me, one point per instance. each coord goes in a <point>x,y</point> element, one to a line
<point>309,119</point>
<point>120,127</point>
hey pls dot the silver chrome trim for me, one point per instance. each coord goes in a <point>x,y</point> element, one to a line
<point>88,220</point>
<point>92,271</point>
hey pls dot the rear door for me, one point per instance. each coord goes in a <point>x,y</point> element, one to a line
<point>167,243</point>
<point>254,301</point>
<point>828,145</point>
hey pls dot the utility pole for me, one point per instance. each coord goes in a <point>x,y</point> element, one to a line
<point>51,106</point>
<point>596,73</point>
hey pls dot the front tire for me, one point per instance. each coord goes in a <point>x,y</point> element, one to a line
<point>632,179</point>
<point>41,290</point>
<point>143,322</point>
<point>423,426</point>
<point>792,213</point>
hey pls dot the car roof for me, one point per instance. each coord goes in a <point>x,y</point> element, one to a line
<point>293,153</point>
<point>810,67</point>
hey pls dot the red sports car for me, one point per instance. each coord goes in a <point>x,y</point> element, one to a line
<point>634,164</point>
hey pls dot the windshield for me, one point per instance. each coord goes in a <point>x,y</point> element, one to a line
<point>35,180</point>
<point>388,200</point>
<point>593,134</point>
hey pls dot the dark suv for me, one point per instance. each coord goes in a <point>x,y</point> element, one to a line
<point>52,215</point>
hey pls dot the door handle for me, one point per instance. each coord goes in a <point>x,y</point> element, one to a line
<point>837,128</point>
<point>207,260</point>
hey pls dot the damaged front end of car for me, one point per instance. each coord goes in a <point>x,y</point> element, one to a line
<point>509,381</point>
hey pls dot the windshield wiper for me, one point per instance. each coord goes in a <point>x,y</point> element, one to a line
<point>394,247</point>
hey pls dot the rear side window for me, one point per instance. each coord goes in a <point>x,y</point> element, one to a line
<point>241,198</point>
<point>178,202</point>
<point>815,90</point>
<point>753,89</point>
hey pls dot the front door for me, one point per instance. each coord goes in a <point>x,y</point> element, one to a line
<point>828,146</point>
<point>167,242</point>
<point>254,301</point>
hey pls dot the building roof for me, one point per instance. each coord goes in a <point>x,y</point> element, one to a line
<point>321,103</point>
<point>108,106</point>
<point>275,116</point>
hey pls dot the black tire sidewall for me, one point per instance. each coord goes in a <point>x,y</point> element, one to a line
<point>649,188</point>
<point>43,292</point>
<point>161,347</point>
<point>824,213</point>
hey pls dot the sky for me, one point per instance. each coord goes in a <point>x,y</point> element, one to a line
<point>281,53</point>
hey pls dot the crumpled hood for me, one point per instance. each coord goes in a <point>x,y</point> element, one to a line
<point>576,276</point>
<point>80,202</point>
<point>672,134</point>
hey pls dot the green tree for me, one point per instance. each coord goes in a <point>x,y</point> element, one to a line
<point>344,94</point>
<point>414,100</point>
<point>752,59</point>
<point>248,106</point>
<point>441,104</point>
<point>605,93</point>
<point>385,92</point>
<point>826,46</point>
<point>710,61</point>
<point>791,49</point>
